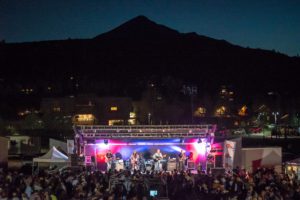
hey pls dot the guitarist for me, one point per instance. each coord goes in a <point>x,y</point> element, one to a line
<point>109,159</point>
<point>134,160</point>
<point>157,158</point>
<point>181,160</point>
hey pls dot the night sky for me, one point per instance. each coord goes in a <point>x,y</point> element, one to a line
<point>272,24</point>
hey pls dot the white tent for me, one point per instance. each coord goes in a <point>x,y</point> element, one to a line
<point>53,156</point>
<point>253,158</point>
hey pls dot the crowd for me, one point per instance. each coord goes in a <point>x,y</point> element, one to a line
<point>263,184</point>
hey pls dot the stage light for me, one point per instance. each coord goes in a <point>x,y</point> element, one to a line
<point>106,142</point>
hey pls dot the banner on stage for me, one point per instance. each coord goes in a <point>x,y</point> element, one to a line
<point>70,146</point>
<point>229,151</point>
<point>88,160</point>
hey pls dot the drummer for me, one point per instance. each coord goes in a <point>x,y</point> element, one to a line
<point>119,164</point>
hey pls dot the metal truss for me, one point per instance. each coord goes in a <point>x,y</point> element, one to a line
<point>145,131</point>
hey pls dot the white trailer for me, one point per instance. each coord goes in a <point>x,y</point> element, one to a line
<point>253,158</point>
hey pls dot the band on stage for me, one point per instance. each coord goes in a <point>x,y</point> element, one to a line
<point>157,162</point>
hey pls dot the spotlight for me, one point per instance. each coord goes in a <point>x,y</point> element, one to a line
<point>106,142</point>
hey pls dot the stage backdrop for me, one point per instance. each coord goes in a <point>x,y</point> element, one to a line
<point>199,148</point>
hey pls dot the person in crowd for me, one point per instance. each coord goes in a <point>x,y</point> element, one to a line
<point>264,184</point>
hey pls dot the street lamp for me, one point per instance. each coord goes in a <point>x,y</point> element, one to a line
<point>149,118</point>
<point>275,116</point>
<point>277,95</point>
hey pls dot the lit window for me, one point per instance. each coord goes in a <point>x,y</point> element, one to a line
<point>115,122</point>
<point>132,115</point>
<point>56,109</point>
<point>132,122</point>
<point>113,108</point>
<point>200,112</point>
<point>220,111</point>
<point>84,119</point>
<point>243,111</point>
<point>223,91</point>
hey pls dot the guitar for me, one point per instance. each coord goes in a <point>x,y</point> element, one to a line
<point>182,158</point>
<point>108,159</point>
<point>156,158</point>
<point>134,159</point>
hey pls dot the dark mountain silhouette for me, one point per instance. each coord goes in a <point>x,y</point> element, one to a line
<point>122,60</point>
<point>140,28</point>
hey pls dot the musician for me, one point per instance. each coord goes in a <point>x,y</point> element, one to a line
<point>181,160</point>
<point>118,162</point>
<point>109,159</point>
<point>134,160</point>
<point>118,156</point>
<point>157,158</point>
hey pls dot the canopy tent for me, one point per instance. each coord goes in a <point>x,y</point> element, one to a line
<point>293,166</point>
<point>52,156</point>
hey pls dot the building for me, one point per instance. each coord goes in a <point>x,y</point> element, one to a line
<point>3,152</point>
<point>90,109</point>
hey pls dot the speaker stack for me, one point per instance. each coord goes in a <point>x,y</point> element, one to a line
<point>190,164</point>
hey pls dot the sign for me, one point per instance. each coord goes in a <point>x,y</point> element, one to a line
<point>88,160</point>
<point>229,151</point>
<point>70,146</point>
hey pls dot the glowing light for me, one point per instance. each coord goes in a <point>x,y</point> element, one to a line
<point>243,111</point>
<point>132,122</point>
<point>176,148</point>
<point>220,111</point>
<point>200,148</point>
<point>114,108</point>
<point>200,112</point>
<point>103,146</point>
<point>84,118</point>
<point>112,122</point>
<point>132,115</point>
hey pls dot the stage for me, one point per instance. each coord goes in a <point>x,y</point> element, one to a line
<point>93,142</point>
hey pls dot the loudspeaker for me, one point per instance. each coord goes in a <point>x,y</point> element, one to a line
<point>171,166</point>
<point>218,161</point>
<point>74,160</point>
<point>191,165</point>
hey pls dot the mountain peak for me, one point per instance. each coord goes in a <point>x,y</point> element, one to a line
<point>141,18</point>
<point>140,27</point>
